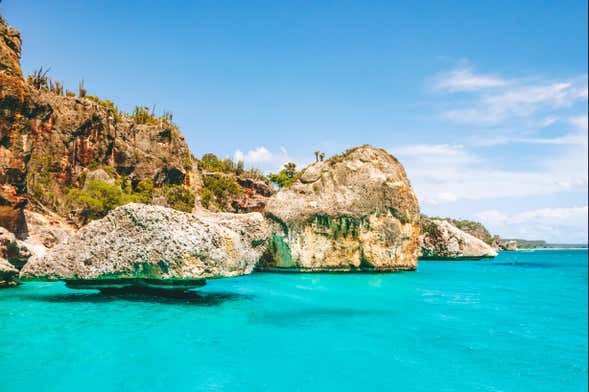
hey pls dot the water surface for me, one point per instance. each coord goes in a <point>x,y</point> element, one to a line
<point>517,323</point>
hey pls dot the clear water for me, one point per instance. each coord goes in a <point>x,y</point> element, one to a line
<point>518,323</point>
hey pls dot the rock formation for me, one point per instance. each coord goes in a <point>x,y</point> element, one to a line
<point>476,229</point>
<point>13,256</point>
<point>440,239</point>
<point>53,146</point>
<point>234,193</point>
<point>353,212</point>
<point>508,245</point>
<point>7,274</point>
<point>140,245</point>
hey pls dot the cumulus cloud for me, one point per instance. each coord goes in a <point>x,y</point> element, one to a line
<point>263,158</point>
<point>260,154</point>
<point>463,79</point>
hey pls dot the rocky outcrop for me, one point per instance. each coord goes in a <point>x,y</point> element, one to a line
<point>253,197</point>
<point>51,144</point>
<point>12,103</point>
<point>476,229</point>
<point>441,240</point>
<point>229,192</point>
<point>13,255</point>
<point>139,245</point>
<point>8,273</point>
<point>508,245</point>
<point>353,212</point>
<point>45,231</point>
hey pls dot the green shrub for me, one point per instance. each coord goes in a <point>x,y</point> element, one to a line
<point>285,177</point>
<point>144,115</point>
<point>210,162</point>
<point>98,198</point>
<point>218,189</point>
<point>207,198</point>
<point>109,105</point>
<point>179,198</point>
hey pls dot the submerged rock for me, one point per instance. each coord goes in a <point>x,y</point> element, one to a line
<point>442,240</point>
<point>354,212</point>
<point>139,245</point>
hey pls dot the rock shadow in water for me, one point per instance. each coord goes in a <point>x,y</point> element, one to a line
<point>177,298</point>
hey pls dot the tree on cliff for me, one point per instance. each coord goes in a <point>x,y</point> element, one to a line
<point>286,176</point>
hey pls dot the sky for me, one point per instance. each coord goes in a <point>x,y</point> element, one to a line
<point>485,103</point>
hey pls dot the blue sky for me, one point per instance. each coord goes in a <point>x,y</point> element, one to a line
<point>484,102</point>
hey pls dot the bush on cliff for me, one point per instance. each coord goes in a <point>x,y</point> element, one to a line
<point>143,115</point>
<point>286,176</point>
<point>218,189</point>
<point>98,198</point>
<point>179,198</point>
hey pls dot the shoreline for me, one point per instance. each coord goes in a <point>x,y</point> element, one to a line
<point>532,249</point>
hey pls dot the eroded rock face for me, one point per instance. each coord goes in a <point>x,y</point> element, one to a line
<point>7,274</point>
<point>13,255</point>
<point>355,211</point>
<point>51,143</point>
<point>442,240</point>
<point>509,245</point>
<point>145,243</point>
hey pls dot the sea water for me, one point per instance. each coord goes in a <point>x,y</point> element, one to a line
<point>515,323</point>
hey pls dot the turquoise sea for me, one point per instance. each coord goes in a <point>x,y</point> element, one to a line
<point>517,323</point>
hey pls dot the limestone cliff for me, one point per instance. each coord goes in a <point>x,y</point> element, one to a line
<point>353,212</point>
<point>440,239</point>
<point>139,244</point>
<point>51,144</point>
<point>476,229</point>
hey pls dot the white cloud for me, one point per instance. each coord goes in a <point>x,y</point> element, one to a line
<point>446,173</point>
<point>263,158</point>
<point>580,122</point>
<point>572,139</point>
<point>568,224</point>
<point>548,121</point>
<point>260,154</point>
<point>436,153</point>
<point>517,99</point>
<point>463,79</point>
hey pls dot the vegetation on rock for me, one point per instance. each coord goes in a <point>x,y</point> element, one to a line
<point>98,198</point>
<point>218,189</point>
<point>179,198</point>
<point>285,177</point>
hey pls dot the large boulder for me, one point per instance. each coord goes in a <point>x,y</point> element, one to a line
<point>441,240</point>
<point>153,246</point>
<point>353,212</point>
